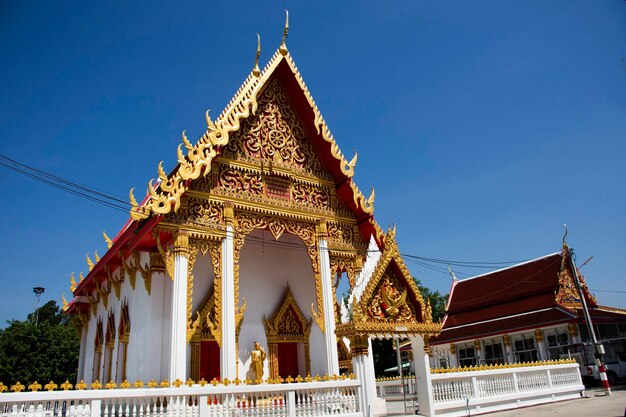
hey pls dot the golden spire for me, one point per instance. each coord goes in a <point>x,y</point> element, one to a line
<point>89,262</point>
<point>256,71</point>
<point>80,277</point>
<point>64,301</point>
<point>107,239</point>
<point>72,282</point>
<point>283,45</point>
<point>95,254</point>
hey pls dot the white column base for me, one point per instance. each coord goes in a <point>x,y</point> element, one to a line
<point>422,376</point>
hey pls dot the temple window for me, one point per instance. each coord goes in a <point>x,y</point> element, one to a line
<point>467,355</point>
<point>109,345</point>
<point>97,354</point>
<point>557,344</point>
<point>525,349</point>
<point>122,347</point>
<point>494,352</point>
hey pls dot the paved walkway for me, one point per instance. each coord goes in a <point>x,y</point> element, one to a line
<point>595,404</point>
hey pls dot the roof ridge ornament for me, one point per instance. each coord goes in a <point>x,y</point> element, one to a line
<point>256,71</point>
<point>283,45</point>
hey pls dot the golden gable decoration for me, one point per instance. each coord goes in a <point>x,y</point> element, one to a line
<point>287,323</point>
<point>391,303</point>
<point>165,197</point>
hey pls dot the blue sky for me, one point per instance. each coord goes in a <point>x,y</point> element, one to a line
<point>483,126</point>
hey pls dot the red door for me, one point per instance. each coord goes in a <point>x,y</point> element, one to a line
<point>209,360</point>
<point>288,359</point>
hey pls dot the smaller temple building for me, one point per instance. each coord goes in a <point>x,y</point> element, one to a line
<point>524,313</point>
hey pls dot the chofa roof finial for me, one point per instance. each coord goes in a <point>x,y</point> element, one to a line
<point>283,44</point>
<point>256,71</point>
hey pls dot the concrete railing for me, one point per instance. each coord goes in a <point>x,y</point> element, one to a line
<point>476,392</point>
<point>337,398</point>
<point>392,387</point>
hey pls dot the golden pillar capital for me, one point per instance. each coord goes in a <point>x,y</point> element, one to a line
<point>572,329</point>
<point>359,344</point>
<point>322,229</point>
<point>453,348</point>
<point>477,344</point>
<point>181,243</point>
<point>229,213</point>
<point>506,339</point>
<point>538,335</point>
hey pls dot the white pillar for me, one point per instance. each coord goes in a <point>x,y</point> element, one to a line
<point>82,352</point>
<point>228,356</point>
<point>178,312</point>
<point>332,358</point>
<point>422,375</point>
<point>360,348</point>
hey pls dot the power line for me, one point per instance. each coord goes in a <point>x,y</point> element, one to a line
<point>119,204</point>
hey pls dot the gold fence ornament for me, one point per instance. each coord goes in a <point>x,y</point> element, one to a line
<point>17,387</point>
<point>165,384</point>
<point>225,382</point>
<point>308,378</point>
<point>177,383</point>
<point>289,379</point>
<point>215,382</point>
<point>111,385</point>
<point>96,385</point>
<point>202,382</point>
<point>35,386</point>
<point>3,388</point>
<point>80,386</point>
<point>237,381</point>
<point>190,382</point>
<point>125,384</point>
<point>138,383</point>
<point>50,386</point>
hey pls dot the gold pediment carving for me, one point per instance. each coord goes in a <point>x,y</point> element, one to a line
<point>287,323</point>
<point>391,302</point>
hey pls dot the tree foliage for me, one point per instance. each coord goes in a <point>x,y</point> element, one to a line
<point>43,351</point>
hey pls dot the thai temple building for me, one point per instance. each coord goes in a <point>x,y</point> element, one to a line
<point>525,313</point>
<point>236,253</point>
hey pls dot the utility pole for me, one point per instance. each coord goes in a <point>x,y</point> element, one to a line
<point>38,291</point>
<point>598,347</point>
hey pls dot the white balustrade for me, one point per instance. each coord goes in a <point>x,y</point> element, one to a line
<point>337,398</point>
<point>393,387</point>
<point>476,392</point>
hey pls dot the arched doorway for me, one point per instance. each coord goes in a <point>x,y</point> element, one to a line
<point>287,332</point>
<point>205,351</point>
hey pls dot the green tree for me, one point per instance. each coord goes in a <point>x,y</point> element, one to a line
<point>437,301</point>
<point>46,351</point>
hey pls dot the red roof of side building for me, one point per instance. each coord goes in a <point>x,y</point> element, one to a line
<point>525,296</point>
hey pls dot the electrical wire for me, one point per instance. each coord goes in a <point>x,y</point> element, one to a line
<point>119,204</point>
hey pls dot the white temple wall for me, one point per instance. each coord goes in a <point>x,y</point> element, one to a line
<point>265,269</point>
<point>442,353</point>
<point>89,350</point>
<point>203,279</point>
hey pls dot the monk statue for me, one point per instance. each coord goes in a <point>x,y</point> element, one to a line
<point>258,357</point>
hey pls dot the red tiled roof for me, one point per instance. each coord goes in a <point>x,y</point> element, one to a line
<point>540,276</point>
<point>529,320</point>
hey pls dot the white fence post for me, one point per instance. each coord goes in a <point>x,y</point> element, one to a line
<point>291,403</point>
<point>95,406</point>
<point>203,405</point>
